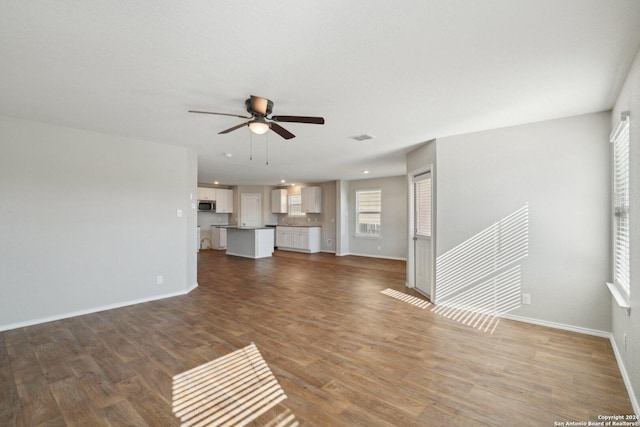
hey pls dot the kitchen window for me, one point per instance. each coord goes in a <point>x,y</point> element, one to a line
<point>295,205</point>
<point>368,213</point>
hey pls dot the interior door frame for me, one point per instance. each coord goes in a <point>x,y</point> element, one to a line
<point>411,268</point>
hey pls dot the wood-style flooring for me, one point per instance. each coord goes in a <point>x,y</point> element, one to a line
<point>343,353</point>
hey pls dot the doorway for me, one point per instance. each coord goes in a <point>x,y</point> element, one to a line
<point>422,232</point>
<point>250,210</point>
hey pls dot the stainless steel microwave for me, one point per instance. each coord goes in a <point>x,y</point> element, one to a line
<point>206,206</point>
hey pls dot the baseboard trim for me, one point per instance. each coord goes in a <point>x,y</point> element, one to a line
<point>61,316</point>
<point>374,256</point>
<point>190,288</point>
<point>625,376</point>
<point>555,325</point>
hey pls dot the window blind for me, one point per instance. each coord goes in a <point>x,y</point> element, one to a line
<point>621,264</point>
<point>422,197</point>
<point>368,212</point>
<point>295,205</point>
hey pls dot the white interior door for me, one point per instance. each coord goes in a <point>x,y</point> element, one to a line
<point>423,251</point>
<point>250,210</point>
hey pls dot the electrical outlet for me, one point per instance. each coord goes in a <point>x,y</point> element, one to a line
<point>526,299</point>
<point>379,247</point>
<point>329,242</point>
<point>159,280</point>
<point>179,213</point>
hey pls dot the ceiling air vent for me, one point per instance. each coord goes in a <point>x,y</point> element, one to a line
<point>363,137</point>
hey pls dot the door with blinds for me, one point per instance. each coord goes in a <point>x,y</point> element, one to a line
<point>423,250</point>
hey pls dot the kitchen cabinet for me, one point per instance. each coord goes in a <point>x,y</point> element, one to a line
<point>311,199</point>
<point>224,200</point>
<point>299,239</point>
<point>218,237</point>
<point>205,193</point>
<point>279,201</point>
<point>284,237</point>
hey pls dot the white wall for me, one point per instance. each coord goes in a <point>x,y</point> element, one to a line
<point>192,220</point>
<point>629,100</point>
<point>342,217</point>
<point>328,216</point>
<point>89,221</point>
<point>560,169</point>
<point>393,243</point>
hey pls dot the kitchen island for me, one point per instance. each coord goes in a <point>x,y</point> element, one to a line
<point>250,242</point>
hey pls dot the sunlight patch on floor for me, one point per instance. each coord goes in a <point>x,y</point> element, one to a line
<point>406,298</point>
<point>233,390</point>
<point>484,321</point>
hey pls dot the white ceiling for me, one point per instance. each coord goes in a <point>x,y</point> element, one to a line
<point>405,71</point>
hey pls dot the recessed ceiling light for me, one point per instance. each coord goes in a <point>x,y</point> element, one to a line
<point>293,185</point>
<point>216,182</point>
<point>227,154</point>
<point>282,181</point>
<point>363,137</point>
<point>365,172</point>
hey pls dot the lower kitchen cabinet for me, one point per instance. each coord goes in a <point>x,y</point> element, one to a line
<point>299,239</point>
<point>218,237</point>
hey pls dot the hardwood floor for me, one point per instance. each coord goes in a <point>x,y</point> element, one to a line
<point>343,353</point>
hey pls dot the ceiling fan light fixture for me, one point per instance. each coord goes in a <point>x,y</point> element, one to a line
<point>260,110</point>
<point>259,126</point>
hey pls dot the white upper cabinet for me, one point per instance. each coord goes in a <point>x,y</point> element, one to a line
<point>279,201</point>
<point>224,200</point>
<point>312,199</point>
<point>205,193</point>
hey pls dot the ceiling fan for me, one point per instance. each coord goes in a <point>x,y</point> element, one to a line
<point>259,120</point>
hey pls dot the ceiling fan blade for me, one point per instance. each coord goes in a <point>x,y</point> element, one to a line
<point>233,128</point>
<point>259,105</point>
<point>220,114</point>
<point>281,131</point>
<point>299,119</point>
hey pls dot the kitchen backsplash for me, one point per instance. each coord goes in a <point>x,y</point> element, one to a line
<point>207,219</point>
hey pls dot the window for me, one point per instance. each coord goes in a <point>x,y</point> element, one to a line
<point>620,140</point>
<point>295,205</point>
<point>422,197</point>
<point>368,212</point>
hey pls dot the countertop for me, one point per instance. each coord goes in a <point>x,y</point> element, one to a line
<point>268,226</point>
<point>235,227</point>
